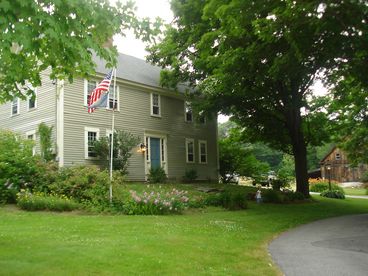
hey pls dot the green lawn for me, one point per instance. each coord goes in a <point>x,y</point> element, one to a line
<point>200,242</point>
<point>355,191</point>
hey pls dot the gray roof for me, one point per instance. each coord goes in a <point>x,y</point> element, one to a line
<point>133,69</point>
<point>136,70</point>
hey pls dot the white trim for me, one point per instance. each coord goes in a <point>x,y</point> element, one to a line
<point>159,105</point>
<point>188,106</point>
<point>200,153</point>
<point>33,133</point>
<point>18,107</point>
<point>187,141</point>
<point>28,98</point>
<point>117,95</point>
<point>147,163</point>
<point>60,121</point>
<point>86,130</point>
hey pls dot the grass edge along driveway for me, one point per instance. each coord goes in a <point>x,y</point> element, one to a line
<point>202,242</point>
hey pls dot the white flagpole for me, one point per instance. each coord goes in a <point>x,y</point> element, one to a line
<point>112,134</point>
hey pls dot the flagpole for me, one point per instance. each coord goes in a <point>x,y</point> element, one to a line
<point>112,135</point>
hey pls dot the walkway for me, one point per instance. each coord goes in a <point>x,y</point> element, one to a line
<point>335,246</point>
<point>349,196</point>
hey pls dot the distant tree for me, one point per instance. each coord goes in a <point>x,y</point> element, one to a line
<point>266,154</point>
<point>236,157</point>
<point>60,35</point>
<point>256,61</point>
<point>349,118</point>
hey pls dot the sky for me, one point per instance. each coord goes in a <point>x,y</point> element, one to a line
<point>145,8</point>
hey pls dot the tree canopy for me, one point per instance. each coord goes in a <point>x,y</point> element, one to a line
<point>61,35</point>
<point>256,61</point>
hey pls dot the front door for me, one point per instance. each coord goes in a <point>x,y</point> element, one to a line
<point>155,152</point>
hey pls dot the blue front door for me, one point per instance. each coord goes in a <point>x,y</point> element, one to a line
<point>155,153</point>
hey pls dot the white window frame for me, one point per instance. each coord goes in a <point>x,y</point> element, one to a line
<point>187,109</point>
<point>86,90</point>
<point>86,130</point>
<point>187,142</point>
<point>200,142</point>
<point>32,133</point>
<point>11,107</point>
<point>159,105</point>
<point>117,93</point>
<point>35,99</point>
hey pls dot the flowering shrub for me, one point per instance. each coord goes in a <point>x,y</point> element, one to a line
<point>319,185</point>
<point>156,203</point>
<point>41,201</point>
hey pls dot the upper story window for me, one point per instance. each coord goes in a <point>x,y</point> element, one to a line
<point>188,112</point>
<point>89,86</point>
<point>202,152</point>
<point>114,102</point>
<point>32,100</point>
<point>201,119</point>
<point>189,146</point>
<point>90,136</point>
<point>15,106</point>
<point>155,105</point>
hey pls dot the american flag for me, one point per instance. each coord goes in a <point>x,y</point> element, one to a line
<point>101,89</point>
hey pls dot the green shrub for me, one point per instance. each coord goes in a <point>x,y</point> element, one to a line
<point>333,194</point>
<point>233,200</point>
<point>155,203</point>
<point>190,175</point>
<point>157,175</point>
<point>277,184</point>
<point>322,186</point>
<point>213,200</point>
<point>86,184</point>
<point>293,196</point>
<point>272,196</point>
<point>18,166</point>
<point>40,201</point>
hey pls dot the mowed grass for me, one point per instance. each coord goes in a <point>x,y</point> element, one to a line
<point>355,191</point>
<point>200,242</point>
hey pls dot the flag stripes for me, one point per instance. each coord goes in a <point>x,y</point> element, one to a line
<point>102,88</point>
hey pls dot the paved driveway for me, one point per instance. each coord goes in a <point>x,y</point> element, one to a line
<point>335,246</point>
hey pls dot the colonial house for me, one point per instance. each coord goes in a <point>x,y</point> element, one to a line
<point>173,137</point>
<point>336,166</point>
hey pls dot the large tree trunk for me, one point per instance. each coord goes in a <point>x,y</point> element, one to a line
<point>299,150</point>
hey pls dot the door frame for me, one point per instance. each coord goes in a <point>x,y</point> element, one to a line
<point>163,143</point>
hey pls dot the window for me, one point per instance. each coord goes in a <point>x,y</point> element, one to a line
<point>114,103</point>
<point>15,106</point>
<point>31,135</point>
<point>202,152</point>
<point>32,100</point>
<point>189,145</point>
<point>89,86</point>
<point>337,156</point>
<point>91,135</point>
<point>147,149</point>
<point>155,105</point>
<point>188,112</point>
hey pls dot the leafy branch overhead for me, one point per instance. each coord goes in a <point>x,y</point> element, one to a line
<point>256,61</point>
<point>62,36</point>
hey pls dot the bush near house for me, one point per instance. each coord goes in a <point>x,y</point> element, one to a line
<point>333,194</point>
<point>319,185</point>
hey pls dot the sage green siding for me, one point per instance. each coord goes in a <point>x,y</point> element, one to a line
<point>28,120</point>
<point>134,116</point>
